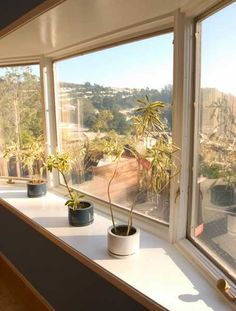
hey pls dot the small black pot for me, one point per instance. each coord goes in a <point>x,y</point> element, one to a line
<point>82,216</point>
<point>36,190</point>
<point>222,195</point>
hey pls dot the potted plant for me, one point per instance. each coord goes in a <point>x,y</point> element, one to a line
<point>223,194</point>
<point>31,155</point>
<point>219,155</point>
<point>80,212</point>
<point>155,153</point>
<point>218,165</point>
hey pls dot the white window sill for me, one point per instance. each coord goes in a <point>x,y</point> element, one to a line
<point>159,273</point>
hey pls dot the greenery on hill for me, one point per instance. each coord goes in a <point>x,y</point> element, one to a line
<point>96,108</point>
<point>96,99</point>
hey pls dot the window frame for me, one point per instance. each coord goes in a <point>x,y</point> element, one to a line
<point>215,269</point>
<point>25,63</point>
<point>149,222</point>
<point>184,53</point>
<point>183,91</point>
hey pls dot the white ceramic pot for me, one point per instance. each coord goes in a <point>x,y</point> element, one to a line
<point>121,246</point>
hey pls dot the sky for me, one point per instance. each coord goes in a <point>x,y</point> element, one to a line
<point>141,64</point>
<point>218,50</point>
<point>149,62</point>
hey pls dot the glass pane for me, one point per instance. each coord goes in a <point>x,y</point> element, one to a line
<point>21,125</point>
<point>214,220</point>
<point>97,97</point>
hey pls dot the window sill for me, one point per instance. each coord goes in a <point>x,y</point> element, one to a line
<point>158,275</point>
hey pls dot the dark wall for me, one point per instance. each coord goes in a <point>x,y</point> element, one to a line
<point>11,10</point>
<point>66,283</point>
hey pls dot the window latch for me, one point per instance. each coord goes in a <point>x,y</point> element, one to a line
<point>224,287</point>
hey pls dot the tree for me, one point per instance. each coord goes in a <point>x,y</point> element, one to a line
<point>119,123</point>
<point>102,120</point>
<point>21,109</point>
<point>89,113</point>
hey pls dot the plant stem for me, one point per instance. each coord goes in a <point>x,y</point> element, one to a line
<point>67,186</point>
<point>109,196</point>
<point>131,212</point>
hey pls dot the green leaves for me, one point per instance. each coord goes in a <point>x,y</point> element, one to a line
<point>75,199</point>
<point>21,109</point>
<point>149,118</point>
<point>156,157</point>
<point>63,163</point>
<point>60,161</point>
<point>101,123</point>
<point>30,154</point>
<point>218,144</point>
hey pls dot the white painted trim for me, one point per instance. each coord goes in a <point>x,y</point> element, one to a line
<point>46,70</point>
<point>177,114</point>
<point>184,33</point>
<point>157,24</point>
<point>56,104</point>
<point>196,129</point>
<point>207,269</point>
<point>197,7</point>
<point>186,129</point>
<point>19,60</point>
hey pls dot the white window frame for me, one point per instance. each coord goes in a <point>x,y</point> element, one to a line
<point>184,70</point>
<point>183,108</point>
<point>151,225</point>
<point>190,112</point>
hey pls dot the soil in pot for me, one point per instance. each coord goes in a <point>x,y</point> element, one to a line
<point>222,195</point>
<point>35,190</point>
<point>82,216</point>
<point>119,244</point>
<point>122,230</point>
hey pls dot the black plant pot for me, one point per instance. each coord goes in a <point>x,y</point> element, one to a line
<point>36,190</point>
<point>222,195</point>
<point>82,216</point>
<point>88,176</point>
<point>74,177</point>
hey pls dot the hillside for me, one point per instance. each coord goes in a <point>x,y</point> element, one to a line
<point>94,98</point>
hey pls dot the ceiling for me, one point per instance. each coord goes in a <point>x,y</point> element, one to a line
<point>75,25</point>
<point>14,9</point>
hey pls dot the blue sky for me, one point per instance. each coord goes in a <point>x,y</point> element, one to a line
<point>219,50</point>
<point>141,64</point>
<point>149,63</point>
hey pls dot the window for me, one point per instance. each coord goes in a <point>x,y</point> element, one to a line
<point>214,216</point>
<point>96,100</point>
<point>20,116</point>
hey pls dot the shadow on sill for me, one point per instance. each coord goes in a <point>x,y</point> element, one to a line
<point>52,222</point>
